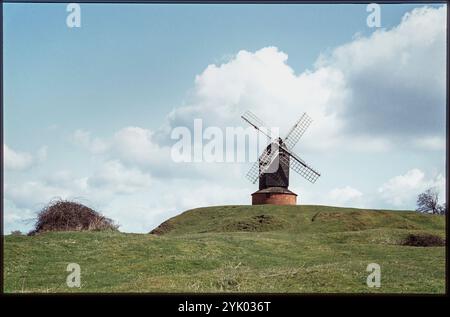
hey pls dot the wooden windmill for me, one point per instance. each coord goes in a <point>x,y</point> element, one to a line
<point>275,162</point>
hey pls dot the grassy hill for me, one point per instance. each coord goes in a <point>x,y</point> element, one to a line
<point>238,249</point>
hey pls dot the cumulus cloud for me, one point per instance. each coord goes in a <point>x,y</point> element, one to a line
<point>130,144</point>
<point>345,196</point>
<point>369,94</point>
<point>84,139</point>
<point>13,160</point>
<point>396,76</point>
<point>21,161</point>
<point>403,189</point>
<point>265,84</point>
<point>33,194</point>
<point>118,179</point>
<point>136,145</point>
<point>136,148</point>
<point>107,181</point>
<point>372,94</point>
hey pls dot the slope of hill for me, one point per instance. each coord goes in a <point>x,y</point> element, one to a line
<point>313,249</point>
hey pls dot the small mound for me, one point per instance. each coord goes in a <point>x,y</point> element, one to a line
<point>257,223</point>
<point>163,228</point>
<point>423,240</point>
<point>62,215</point>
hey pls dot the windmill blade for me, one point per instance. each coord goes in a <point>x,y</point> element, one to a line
<point>301,167</point>
<point>267,157</point>
<point>297,131</point>
<point>257,123</point>
<point>253,173</point>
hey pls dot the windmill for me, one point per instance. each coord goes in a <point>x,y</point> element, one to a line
<point>274,163</point>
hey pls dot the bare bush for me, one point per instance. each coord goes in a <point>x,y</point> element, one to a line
<point>423,240</point>
<point>63,215</point>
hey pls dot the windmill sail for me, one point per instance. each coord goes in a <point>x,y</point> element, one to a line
<point>301,167</point>
<point>297,131</point>
<point>253,173</point>
<point>257,123</point>
<point>264,164</point>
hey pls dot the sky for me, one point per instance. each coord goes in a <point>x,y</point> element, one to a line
<point>89,112</point>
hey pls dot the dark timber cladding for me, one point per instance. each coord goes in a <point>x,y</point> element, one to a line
<point>274,163</point>
<point>280,178</point>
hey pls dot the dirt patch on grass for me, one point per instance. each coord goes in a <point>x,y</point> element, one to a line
<point>350,221</point>
<point>257,223</point>
<point>423,240</point>
<point>362,220</point>
<point>163,228</point>
<point>63,215</point>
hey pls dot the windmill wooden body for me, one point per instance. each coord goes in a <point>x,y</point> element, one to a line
<point>274,163</point>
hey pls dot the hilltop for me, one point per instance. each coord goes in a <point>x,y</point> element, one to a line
<point>239,249</point>
<point>294,219</point>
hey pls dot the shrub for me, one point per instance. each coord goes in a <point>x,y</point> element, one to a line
<point>423,240</point>
<point>63,215</point>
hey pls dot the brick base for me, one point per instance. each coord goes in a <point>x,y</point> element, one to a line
<point>274,199</point>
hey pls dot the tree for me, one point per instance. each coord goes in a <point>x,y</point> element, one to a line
<point>428,201</point>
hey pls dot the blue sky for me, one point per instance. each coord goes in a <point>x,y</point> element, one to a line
<point>73,97</point>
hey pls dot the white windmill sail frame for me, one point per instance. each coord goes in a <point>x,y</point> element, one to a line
<point>297,131</point>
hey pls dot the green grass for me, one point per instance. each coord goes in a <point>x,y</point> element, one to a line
<point>300,249</point>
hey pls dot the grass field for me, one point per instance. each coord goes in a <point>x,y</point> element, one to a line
<point>300,249</point>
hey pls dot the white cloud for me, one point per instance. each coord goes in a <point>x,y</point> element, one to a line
<point>113,176</point>
<point>402,190</point>
<point>136,145</point>
<point>345,196</point>
<point>21,161</point>
<point>435,143</point>
<point>130,144</point>
<point>16,218</point>
<point>16,160</point>
<point>95,145</point>
<point>370,94</point>
<point>33,194</point>
<point>110,179</point>
<point>396,76</point>
<point>265,84</point>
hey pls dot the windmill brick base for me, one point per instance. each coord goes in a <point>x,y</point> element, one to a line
<point>274,196</point>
